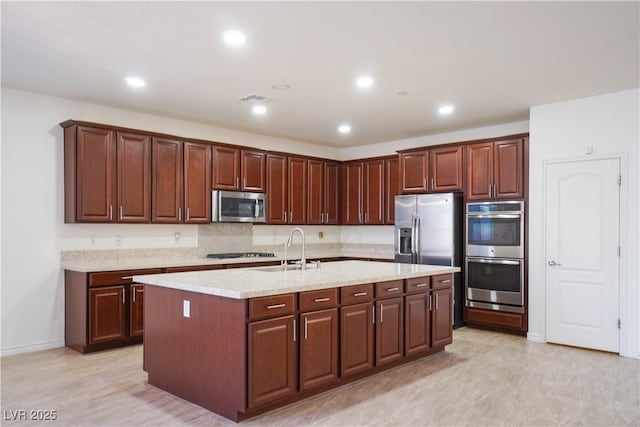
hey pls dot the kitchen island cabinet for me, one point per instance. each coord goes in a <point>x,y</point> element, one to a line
<point>279,346</point>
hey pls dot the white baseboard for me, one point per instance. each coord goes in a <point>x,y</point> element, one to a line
<point>31,347</point>
<point>535,337</point>
<point>632,355</point>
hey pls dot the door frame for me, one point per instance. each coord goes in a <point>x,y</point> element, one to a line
<point>624,303</point>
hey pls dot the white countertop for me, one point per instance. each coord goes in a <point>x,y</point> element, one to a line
<point>241,283</point>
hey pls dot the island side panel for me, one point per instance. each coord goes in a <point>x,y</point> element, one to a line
<point>200,358</point>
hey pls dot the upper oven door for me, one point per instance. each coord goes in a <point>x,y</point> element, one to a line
<point>495,235</point>
<point>234,206</point>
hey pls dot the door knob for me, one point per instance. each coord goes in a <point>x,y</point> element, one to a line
<point>552,263</point>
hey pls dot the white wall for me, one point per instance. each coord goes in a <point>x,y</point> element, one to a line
<point>610,124</point>
<point>33,229</point>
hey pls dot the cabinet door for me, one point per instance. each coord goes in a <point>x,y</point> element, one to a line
<point>166,181</point>
<point>197,183</point>
<point>315,193</point>
<point>508,169</point>
<point>253,166</point>
<point>417,324</point>
<point>446,169</point>
<point>106,314</point>
<point>134,177</point>
<point>273,363</point>
<point>297,190</point>
<point>389,330</point>
<point>277,203</point>
<point>391,188</point>
<point>373,191</point>
<point>331,193</point>
<point>352,193</point>
<point>318,348</point>
<point>442,320</point>
<point>479,158</point>
<point>226,168</point>
<point>414,171</point>
<point>356,338</point>
<point>95,175</point>
<point>136,315</point>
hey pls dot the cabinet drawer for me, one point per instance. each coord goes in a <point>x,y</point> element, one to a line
<point>389,289</point>
<point>122,277</point>
<point>441,281</point>
<point>272,306</point>
<point>356,294</point>
<point>418,284</point>
<point>318,300</point>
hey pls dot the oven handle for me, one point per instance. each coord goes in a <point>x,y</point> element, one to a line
<point>494,261</point>
<point>513,216</point>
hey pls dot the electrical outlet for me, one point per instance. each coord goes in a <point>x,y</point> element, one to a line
<point>92,240</point>
<point>177,236</point>
<point>320,235</point>
<point>118,240</point>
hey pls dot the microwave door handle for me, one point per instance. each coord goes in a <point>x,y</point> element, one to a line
<point>257,209</point>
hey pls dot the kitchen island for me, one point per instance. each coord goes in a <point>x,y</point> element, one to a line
<point>241,342</point>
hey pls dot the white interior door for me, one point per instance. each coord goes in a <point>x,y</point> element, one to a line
<point>582,259</point>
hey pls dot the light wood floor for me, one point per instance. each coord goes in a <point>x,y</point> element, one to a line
<point>483,378</point>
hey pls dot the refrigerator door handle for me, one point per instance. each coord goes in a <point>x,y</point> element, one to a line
<point>413,238</point>
<point>417,239</point>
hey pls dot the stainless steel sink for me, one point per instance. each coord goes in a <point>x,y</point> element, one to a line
<point>290,267</point>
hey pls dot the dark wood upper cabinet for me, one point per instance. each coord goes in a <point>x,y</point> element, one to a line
<point>391,187</point>
<point>417,325</point>
<point>273,364</point>
<point>389,330</point>
<point>297,185</point>
<point>331,193</point>
<point>197,183</point>
<point>508,173</point>
<point>414,172</point>
<point>226,168</point>
<point>133,177</point>
<point>277,200</point>
<point>253,170</point>
<point>356,339</point>
<point>315,192</point>
<point>136,313</point>
<point>442,317</point>
<point>90,174</point>
<point>166,184</point>
<point>106,313</point>
<point>445,169</point>
<point>352,193</point>
<point>318,348</point>
<point>495,170</point>
<point>373,192</point>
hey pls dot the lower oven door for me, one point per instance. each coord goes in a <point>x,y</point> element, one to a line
<point>493,282</point>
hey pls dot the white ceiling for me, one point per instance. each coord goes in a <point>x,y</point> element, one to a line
<point>491,60</point>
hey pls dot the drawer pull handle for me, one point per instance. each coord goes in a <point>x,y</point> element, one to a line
<point>359,294</point>
<point>271,307</point>
<point>446,281</point>
<point>321,299</point>
<point>127,277</point>
<point>420,285</point>
<point>393,289</point>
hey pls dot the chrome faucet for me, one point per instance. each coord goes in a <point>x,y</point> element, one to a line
<point>303,260</point>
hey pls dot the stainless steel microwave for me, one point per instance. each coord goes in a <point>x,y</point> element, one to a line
<point>238,206</point>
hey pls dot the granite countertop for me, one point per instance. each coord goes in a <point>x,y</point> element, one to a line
<point>256,282</point>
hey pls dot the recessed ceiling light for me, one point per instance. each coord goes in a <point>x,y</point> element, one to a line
<point>259,110</point>
<point>135,82</point>
<point>446,109</point>
<point>344,128</point>
<point>364,81</point>
<point>281,86</point>
<point>234,38</point>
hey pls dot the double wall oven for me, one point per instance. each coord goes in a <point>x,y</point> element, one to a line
<point>495,256</point>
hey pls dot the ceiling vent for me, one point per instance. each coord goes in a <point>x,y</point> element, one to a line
<point>254,99</point>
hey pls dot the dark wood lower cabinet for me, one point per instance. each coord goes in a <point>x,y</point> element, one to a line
<point>356,339</point>
<point>106,311</point>
<point>441,332</point>
<point>273,364</point>
<point>389,330</point>
<point>136,313</point>
<point>318,348</point>
<point>417,324</point>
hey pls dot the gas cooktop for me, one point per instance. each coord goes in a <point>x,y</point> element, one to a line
<point>241,255</point>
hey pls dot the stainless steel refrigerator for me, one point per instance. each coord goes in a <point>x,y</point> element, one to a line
<point>428,230</point>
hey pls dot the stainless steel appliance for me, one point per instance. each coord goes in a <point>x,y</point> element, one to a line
<point>494,267</point>
<point>237,206</point>
<point>428,230</point>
